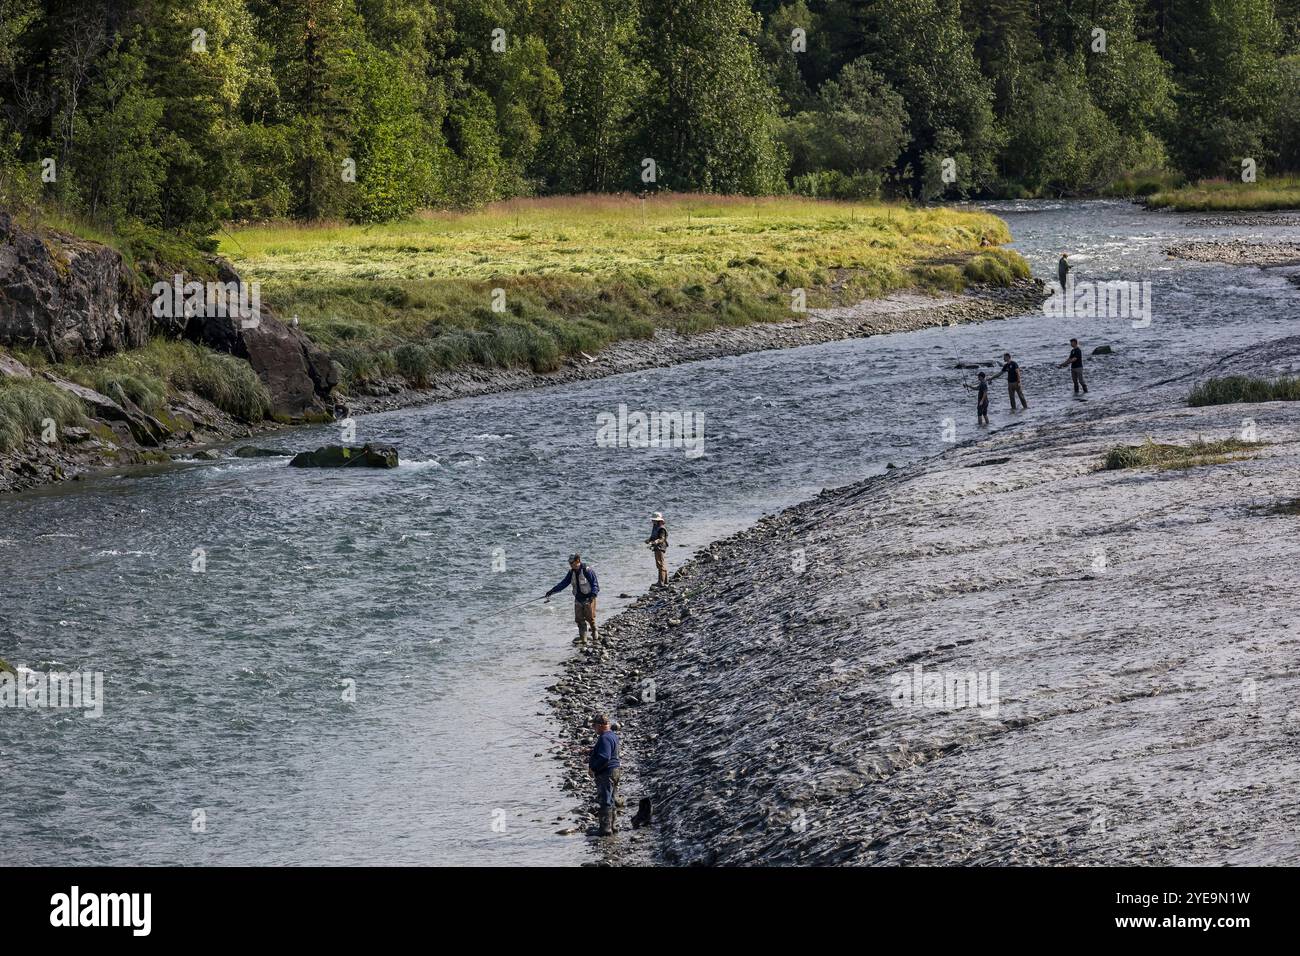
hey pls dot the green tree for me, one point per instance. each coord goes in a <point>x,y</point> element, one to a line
<point>713,119</point>
<point>604,81</point>
<point>1224,55</point>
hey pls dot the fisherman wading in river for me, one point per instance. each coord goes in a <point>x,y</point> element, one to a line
<point>585,588</point>
<point>604,767</point>
<point>658,542</point>
<point>1075,361</point>
<point>981,399</point>
<point>1012,371</point>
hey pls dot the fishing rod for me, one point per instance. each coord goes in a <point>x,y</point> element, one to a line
<point>518,606</point>
<point>527,730</point>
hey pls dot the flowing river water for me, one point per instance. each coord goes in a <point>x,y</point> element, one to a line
<point>226,737</point>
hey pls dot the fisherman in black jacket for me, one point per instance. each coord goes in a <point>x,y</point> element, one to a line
<point>1075,361</point>
<point>585,588</point>
<point>1012,371</point>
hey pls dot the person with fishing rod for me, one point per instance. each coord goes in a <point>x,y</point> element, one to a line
<point>585,588</point>
<point>658,542</point>
<point>605,768</point>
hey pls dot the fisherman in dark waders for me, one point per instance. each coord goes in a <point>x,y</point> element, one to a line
<point>658,542</point>
<point>1062,270</point>
<point>1075,361</point>
<point>981,399</point>
<point>1012,371</point>
<point>604,767</point>
<point>585,588</point>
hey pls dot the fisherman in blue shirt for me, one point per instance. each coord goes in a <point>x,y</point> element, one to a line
<point>604,766</point>
<point>585,588</point>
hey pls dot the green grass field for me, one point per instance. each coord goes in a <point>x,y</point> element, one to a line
<point>577,273</point>
<point>1271,193</point>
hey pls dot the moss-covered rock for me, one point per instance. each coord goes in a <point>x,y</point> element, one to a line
<point>347,456</point>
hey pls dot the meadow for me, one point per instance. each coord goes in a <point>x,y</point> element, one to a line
<point>1222,195</point>
<point>530,282</point>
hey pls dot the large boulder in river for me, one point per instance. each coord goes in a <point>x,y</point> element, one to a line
<point>65,296</point>
<point>347,456</point>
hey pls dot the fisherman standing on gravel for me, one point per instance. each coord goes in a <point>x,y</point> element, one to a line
<point>585,588</point>
<point>604,767</point>
<point>1062,270</point>
<point>1075,361</point>
<point>658,542</point>
<point>981,399</point>
<point>1012,371</point>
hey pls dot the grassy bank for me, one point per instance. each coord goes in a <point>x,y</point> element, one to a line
<point>1229,196</point>
<point>27,405</point>
<point>1237,389</point>
<point>147,376</point>
<point>577,273</point>
<point>1165,457</point>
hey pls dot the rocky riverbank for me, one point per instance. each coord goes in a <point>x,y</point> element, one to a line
<point>1239,252</point>
<point>901,312</point>
<point>1128,638</point>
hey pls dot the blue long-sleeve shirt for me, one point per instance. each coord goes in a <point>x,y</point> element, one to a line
<point>568,580</point>
<point>604,755</point>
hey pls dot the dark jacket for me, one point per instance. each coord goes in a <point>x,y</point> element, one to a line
<point>604,756</point>
<point>568,581</point>
<point>658,531</point>
<point>1062,270</point>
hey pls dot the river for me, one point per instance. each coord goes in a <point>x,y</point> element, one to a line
<point>229,733</point>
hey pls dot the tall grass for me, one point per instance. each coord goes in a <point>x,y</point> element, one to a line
<point>577,273</point>
<point>148,375</point>
<point>27,404</point>
<point>1219,195</point>
<point>1162,457</point>
<point>1244,389</point>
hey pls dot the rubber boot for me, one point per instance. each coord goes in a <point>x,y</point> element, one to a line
<point>606,822</point>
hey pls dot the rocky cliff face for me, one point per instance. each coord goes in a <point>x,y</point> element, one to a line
<point>67,297</point>
<point>74,299</point>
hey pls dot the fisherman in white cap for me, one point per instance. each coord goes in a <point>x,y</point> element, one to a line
<point>658,542</point>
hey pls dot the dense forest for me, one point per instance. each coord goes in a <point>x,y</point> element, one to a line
<point>182,114</point>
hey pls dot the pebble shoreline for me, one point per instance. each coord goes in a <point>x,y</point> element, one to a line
<point>900,312</point>
<point>1141,625</point>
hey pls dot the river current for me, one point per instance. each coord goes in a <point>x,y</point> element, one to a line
<point>304,667</point>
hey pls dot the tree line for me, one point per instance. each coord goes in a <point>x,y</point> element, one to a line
<point>181,114</point>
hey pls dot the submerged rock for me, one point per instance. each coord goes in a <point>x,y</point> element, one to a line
<point>347,456</point>
<point>252,451</point>
<point>1102,350</point>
